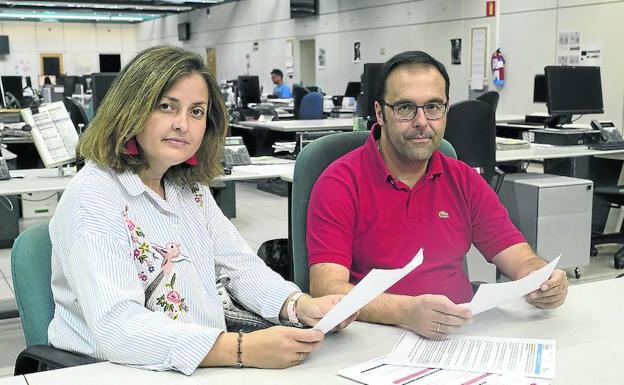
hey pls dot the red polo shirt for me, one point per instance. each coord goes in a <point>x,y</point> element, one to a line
<point>361,217</point>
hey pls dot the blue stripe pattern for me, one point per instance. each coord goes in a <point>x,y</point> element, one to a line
<point>110,237</point>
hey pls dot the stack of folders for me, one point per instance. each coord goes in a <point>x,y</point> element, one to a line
<point>511,144</point>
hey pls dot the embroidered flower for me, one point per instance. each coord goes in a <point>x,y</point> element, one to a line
<point>136,253</point>
<point>144,247</point>
<point>172,303</point>
<point>174,297</point>
<point>199,196</point>
<point>143,276</point>
<point>131,225</point>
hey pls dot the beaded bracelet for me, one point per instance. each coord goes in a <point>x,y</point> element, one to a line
<point>239,351</point>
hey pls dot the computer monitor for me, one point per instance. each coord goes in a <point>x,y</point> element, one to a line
<point>353,89</point>
<point>539,89</point>
<point>248,90</point>
<point>299,92</point>
<point>366,104</point>
<point>100,83</point>
<point>572,90</point>
<point>12,85</point>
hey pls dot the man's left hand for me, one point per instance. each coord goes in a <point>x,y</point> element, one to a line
<point>552,293</point>
<point>311,310</point>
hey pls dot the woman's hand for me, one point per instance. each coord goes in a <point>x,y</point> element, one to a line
<point>279,347</point>
<point>311,310</point>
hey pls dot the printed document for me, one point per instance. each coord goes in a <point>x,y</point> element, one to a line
<point>491,295</point>
<point>507,356</point>
<point>377,372</point>
<point>374,283</point>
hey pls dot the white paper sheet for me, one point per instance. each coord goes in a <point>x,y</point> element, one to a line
<point>377,372</point>
<point>507,356</point>
<point>374,283</point>
<point>491,295</point>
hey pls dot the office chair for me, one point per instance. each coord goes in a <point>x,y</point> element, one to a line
<point>31,272</point>
<point>77,114</point>
<point>310,164</point>
<point>471,129</point>
<point>614,196</point>
<point>311,106</point>
<point>491,98</point>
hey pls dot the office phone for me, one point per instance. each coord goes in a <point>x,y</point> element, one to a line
<point>235,153</point>
<point>610,136</point>
<point>4,170</point>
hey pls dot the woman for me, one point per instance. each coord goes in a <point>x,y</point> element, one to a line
<point>138,241</point>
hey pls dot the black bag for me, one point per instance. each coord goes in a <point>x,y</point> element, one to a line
<point>276,256</point>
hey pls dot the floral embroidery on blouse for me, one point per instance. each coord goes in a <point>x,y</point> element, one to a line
<point>172,302</point>
<point>199,196</point>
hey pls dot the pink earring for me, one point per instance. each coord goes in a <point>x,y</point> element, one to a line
<point>131,147</point>
<point>192,161</point>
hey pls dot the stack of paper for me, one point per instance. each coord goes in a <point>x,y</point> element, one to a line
<point>511,144</point>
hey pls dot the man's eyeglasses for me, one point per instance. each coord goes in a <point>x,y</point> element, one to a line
<point>407,111</point>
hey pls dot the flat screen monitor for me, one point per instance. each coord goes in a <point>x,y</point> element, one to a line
<point>353,89</point>
<point>539,89</point>
<point>571,91</point>
<point>248,90</point>
<point>13,84</point>
<point>366,105</point>
<point>100,83</point>
<point>184,31</point>
<point>4,45</point>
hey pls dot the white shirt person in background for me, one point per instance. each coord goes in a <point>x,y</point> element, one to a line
<point>138,241</point>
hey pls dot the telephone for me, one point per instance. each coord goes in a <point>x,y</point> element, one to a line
<point>4,170</point>
<point>610,137</point>
<point>235,153</point>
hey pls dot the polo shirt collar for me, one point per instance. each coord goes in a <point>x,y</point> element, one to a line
<point>380,170</point>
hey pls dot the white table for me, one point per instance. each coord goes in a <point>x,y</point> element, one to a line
<point>46,180</point>
<point>345,124</point>
<point>587,329</point>
<point>15,380</point>
<point>537,151</point>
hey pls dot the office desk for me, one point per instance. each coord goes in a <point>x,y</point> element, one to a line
<point>16,380</point>
<point>16,139</point>
<point>345,124</point>
<point>537,152</point>
<point>588,334</point>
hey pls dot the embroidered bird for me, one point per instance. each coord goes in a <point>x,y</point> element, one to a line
<point>171,254</point>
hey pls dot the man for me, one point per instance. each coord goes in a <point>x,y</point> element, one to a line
<point>281,90</point>
<point>378,205</point>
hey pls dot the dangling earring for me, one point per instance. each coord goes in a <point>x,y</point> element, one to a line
<point>192,161</point>
<point>131,147</point>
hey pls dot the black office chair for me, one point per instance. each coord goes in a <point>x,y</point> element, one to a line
<point>77,114</point>
<point>491,98</point>
<point>471,129</point>
<point>614,197</point>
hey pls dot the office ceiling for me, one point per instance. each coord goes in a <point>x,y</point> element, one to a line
<point>113,11</point>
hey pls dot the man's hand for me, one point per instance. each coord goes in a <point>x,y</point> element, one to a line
<point>552,293</point>
<point>311,310</point>
<point>435,316</point>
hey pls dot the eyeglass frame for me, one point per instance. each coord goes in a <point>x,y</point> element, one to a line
<point>445,104</point>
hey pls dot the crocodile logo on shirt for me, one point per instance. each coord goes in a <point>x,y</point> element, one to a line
<point>443,214</point>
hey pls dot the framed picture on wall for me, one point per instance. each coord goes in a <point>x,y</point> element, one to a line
<point>357,54</point>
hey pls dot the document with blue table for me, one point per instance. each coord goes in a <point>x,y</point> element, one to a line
<point>456,357</point>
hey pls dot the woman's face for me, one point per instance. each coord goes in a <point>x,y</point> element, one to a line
<point>175,128</point>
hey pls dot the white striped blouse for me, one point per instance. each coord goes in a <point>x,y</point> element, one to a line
<point>133,275</point>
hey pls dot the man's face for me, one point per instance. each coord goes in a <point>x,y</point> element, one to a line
<point>276,79</point>
<point>416,139</point>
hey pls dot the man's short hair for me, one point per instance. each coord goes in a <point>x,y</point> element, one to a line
<point>408,58</point>
<point>277,72</point>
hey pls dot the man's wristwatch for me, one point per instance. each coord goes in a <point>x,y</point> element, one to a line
<point>291,309</point>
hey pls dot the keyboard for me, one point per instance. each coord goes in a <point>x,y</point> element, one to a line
<point>607,146</point>
<point>10,117</point>
<point>525,123</point>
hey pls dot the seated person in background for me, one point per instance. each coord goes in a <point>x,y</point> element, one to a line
<point>138,241</point>
<point>378,205</point>
<point>281,90</point>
